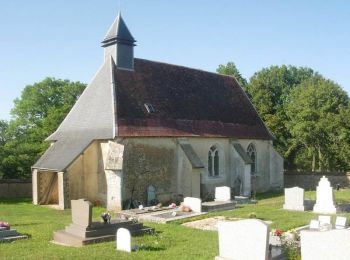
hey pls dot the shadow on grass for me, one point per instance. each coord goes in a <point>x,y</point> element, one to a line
<point>148,248</point>
<point>268,195</point>
<point>15,200</point>
<point>28,224</point>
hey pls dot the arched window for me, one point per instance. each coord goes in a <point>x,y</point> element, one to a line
<point>251,151</point>
<point>213,161</point>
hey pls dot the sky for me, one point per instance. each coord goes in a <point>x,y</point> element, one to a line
<point>61,39</point>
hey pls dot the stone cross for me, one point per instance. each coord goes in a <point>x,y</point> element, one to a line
<point>81,212</point>
<point>123,240</point>
<point>223,193</point>
<point>243,240</point>
<point>294,199</point>
<point>324,198</point>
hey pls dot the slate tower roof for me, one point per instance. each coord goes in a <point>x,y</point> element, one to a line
<point>151,99</point>
<point>118,32</point>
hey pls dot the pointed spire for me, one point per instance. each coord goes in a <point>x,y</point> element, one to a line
<point>118,33</point>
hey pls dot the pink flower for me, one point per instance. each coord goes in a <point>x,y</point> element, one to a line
<point>4,224</point>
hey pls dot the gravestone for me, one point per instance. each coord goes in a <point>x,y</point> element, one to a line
<point>314,224</point>
<point>238,186</point>
<point>243,240</point>
<point>340,222</point>
<point>324,220</point>
<point>332,244</point>
<point>83,231</point>
<point>7,234</point>
<point>81,212</point>
<point>324,198</point>
<point>123,240</point>
<point>194,204</point>
<point>223,193</point>
<point>151,194</point>
<point>294,199</point>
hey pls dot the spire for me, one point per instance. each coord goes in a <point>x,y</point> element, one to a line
<point>119,44</point>
<point>118,33</point>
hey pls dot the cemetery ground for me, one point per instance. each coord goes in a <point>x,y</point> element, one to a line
<point>171,241</point>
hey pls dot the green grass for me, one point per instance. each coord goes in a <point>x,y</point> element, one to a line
<point>172,241</point>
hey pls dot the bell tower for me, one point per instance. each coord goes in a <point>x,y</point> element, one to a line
<point>119,43</point>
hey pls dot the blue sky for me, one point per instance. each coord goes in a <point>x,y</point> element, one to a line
<point>61,39</point>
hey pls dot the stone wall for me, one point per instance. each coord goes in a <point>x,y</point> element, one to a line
<point>148,162</point>
<point>309,180</point>
<point>15,188</point>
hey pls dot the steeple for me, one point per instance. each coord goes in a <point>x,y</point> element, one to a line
<point>119,43</point>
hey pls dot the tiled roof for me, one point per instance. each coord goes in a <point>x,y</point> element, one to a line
<point>188,102</point>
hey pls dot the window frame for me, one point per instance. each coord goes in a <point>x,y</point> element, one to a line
<point>251,152</point>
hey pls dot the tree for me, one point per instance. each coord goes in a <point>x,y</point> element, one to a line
<point>269,90</point>
<point>316,109</point>
<point>231,70</point>
<point>36,114</point>
<point>3,128</point>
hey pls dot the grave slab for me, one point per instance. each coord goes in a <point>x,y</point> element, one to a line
<point>83,231</point>
<point>325,245</point>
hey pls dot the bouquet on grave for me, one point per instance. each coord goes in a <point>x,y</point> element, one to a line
<point>4,224</point>
<point>277,232</point>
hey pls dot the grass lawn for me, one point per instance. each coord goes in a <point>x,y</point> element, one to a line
<point>172,241</point>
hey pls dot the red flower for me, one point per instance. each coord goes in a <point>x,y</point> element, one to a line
<point>279,232</point>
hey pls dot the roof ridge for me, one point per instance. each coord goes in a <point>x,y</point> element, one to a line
<point>186,67</point>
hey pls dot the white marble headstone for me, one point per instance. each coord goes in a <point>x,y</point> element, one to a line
<point>324,220</point>
<point>294,199</point>
<point>243,240</point>
<point>194,204</point>
<point>314,224</point>
<point>123,240</point>
<point>223,193</point>
<point>332,244</point>
<point>324,198</point>
<point>340,222</point>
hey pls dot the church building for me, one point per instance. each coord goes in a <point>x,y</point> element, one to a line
<point>144,129</point>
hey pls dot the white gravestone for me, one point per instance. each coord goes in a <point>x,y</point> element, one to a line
<point>123,240</point>
<point>324,220</point>
<point>243,240</point>
<point>340,223</point>
<point>324,198</point>
<point>194,204</point>
<point>223,193</point>
<point>332,244</point>
<point>294,199</point>
<point>314,224</point>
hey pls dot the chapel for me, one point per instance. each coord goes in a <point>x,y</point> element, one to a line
<point>145,130</point>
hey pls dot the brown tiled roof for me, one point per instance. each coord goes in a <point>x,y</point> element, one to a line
<point>188,102</point>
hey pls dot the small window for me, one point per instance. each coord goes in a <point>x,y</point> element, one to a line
<point>150,108</point>
<point>251,151</point>
<point>213,162</point>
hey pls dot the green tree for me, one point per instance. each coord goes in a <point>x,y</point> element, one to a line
<point>3,129</point>
<point>231,70</point>
<point>316,109</point>
<point>36,114</point>
<point>269,90</point>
